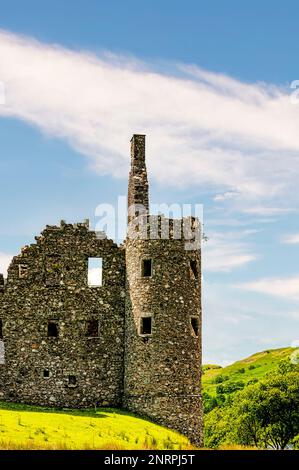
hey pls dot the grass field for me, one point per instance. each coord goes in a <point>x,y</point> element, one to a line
<point>27,427</point>
<point>252,368</point>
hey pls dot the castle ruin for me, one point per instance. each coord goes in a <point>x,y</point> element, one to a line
<point>132,342</point>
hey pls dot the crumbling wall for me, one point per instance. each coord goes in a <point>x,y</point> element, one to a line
<point>46,283</point>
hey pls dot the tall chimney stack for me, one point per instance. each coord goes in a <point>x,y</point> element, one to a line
<point>138,199</point>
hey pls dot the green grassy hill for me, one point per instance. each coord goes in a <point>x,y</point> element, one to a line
<point>226,380</point>
<point>27,427</point>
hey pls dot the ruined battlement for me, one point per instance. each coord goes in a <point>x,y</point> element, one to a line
<point>159,227</point>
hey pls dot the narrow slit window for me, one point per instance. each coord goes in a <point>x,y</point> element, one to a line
<point>72,380</point>
<point>46,373</point>
<point>95,272</point>
<point>147,268</point>
<point>194,269</point>
<point>146,325</point>
<point>195,326</point>
<point>52,329</point>
<point>92,328</point>
<point>1,329</point>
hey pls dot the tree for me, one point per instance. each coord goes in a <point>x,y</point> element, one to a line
<point>266,414</point>
<point>296,442</point>
<point>216,428</point>
<point>209,402</point>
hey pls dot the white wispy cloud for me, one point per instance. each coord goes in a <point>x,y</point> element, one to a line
<point>5,260</point>
<point>237,323</point>
<point>286,288</point>
<point>203,128</point>
<point>225,196</point>
<point>236,222</point>
<point>225,251</point>
<point>294,315</point>
<point>292,239</point>
<point>268,211</point>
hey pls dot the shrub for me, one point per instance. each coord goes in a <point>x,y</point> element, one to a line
<point>209,402</point>
<point>252,381</point>
<point>220,378</point>
<point>233,386</point>
<point>221,399</point>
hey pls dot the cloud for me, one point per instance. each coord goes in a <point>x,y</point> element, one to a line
<point>235,222</point>
<point>268,211</point>
<point>203,128</point>
<point>225,251</point>
<point>225,196</point>
<point>287,288</point>
<point>291,239</point>
<point>237,324</point>
<point>5,260</point>
<point>294,315</point>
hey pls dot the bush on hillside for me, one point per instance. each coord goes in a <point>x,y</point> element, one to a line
<point>220,378</point>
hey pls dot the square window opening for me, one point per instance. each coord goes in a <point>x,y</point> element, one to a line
<point>195,326</point>
<point>194,269</point>
<point>146,325</point>
<point>52,329</point>
<point>92,329</point>
<point>72,380</point>
<point>95,272</point>
<point>46,373</point>
<point>147,268</point>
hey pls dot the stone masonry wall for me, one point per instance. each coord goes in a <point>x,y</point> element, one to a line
<point>46,283</point>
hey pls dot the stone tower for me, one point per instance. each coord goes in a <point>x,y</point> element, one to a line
<point>162,377</point>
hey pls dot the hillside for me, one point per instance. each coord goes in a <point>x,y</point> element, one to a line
<point>27,427</point>
<point>219,380</point>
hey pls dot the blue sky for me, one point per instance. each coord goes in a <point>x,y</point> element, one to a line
<point>209,83</point>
